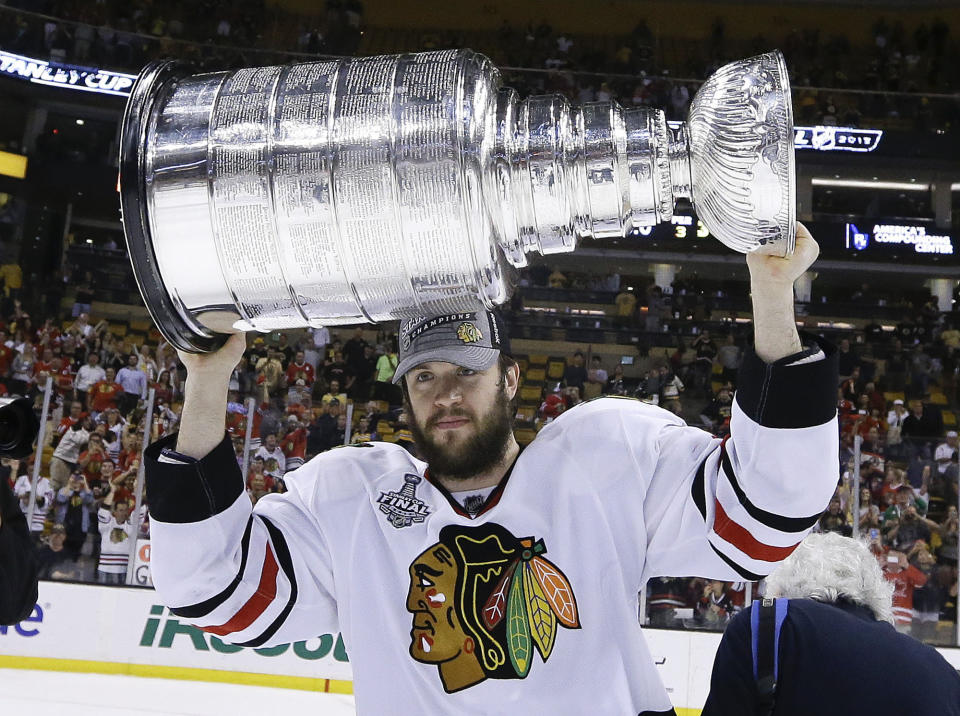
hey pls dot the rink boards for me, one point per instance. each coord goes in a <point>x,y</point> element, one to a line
<point>79,627</point>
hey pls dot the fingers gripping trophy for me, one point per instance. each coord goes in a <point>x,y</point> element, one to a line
<point>382,188</point>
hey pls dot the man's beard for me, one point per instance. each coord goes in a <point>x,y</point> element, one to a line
<point>480,452</point>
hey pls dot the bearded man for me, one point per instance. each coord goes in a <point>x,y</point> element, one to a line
<point>483,579</point>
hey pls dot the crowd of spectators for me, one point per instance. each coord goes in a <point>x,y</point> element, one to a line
<point>296,395</point>
<point>894,77</point>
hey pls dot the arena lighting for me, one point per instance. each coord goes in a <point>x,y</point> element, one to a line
<point>13,165</point>
<point>866,184</point>
<point>55,74</point>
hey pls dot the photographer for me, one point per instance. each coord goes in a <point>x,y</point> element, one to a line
<point>18,567</point>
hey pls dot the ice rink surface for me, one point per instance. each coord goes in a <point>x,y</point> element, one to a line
<point>52,693</point>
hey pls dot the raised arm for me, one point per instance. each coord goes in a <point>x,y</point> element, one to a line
<point>196,495</point>
<point>203,418</point>
<point>771,288</point>
<point>736,507</point>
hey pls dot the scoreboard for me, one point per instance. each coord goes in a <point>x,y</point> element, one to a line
<point>882,240</point>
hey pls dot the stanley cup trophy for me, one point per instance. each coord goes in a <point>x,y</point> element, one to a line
<point>379,188</point>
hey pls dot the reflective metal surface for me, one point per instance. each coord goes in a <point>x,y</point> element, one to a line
<point>385,187</point>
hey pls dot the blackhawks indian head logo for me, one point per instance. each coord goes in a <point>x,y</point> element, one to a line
<point>482,601</point>
<point>469,333</point>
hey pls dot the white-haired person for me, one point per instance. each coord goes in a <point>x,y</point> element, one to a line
<point>823,642</point>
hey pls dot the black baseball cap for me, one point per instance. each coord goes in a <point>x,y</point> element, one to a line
<point>472,339</point>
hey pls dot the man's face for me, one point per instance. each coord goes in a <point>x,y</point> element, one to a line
<point>106,470</point>
<point>111,374</point>
<point>845,345</point>
<point>75,410</point>
<point>952,442</point>
<point>271,441</point>
<point>47,355</point>
<point>132,361</point>
<point>334,387</point>
<point>460,418</point>
<point>93,359</point>
<point>299,358</point>
<point>121,511</point>
<point>903,498</point>
<point>577,359</point>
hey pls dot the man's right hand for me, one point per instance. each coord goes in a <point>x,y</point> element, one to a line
<point>202,420</point>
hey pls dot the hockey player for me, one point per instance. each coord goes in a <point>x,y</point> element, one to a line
<point>486,580</point>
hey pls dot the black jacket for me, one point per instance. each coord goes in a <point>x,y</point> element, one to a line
<point>835,660</point>
<point>18,562</point>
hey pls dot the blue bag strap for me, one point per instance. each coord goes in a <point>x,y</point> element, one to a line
<point>766,621</point>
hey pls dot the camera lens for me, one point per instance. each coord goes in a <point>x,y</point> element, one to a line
<point>18,427</point>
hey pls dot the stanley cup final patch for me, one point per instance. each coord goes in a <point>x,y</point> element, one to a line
<point>404,508</point>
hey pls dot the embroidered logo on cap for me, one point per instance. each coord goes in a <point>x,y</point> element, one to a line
<point>414,330</point>
<point>404,508</point>
<point>469,333</point>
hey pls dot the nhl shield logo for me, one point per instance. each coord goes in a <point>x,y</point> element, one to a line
<point>404,508</point>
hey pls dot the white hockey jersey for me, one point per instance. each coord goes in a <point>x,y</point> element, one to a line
<point>530,606</point>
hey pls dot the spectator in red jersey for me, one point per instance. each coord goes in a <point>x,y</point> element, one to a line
<point>300,409</point>
<point>43,368</point>
<point>553,404</point>
<point>905,578</point>
<point>63,378</point>
<point>236,418</point>
<point>130,449</point>
<point>163,387</point>
<point>92,459</point>
<point>876,399</point>
<point>257,486</point>
<point>104,394</point>
<point>299,377</point>
<point>255,470</point>
<point>294,443</point>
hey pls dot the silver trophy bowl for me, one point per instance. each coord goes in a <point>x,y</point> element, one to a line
<point>380,188</point>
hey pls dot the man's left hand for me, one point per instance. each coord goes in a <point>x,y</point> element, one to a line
<point>777,272</point>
